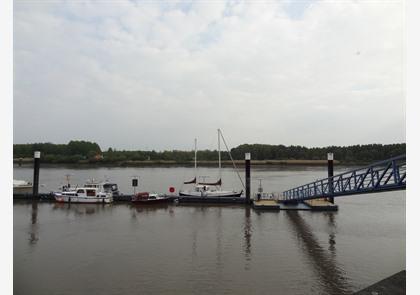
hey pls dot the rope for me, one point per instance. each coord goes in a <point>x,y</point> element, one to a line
<point>233,162</point>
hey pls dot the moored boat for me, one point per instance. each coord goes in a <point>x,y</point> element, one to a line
<point>22,187</point>
<point>149,198</point>
<point>83,195</point>
<point>104,186</point>
<point>209,189</point>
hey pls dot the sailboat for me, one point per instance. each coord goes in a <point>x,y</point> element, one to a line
<point>208,189</point>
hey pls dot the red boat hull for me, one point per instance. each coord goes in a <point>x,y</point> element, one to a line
<point>151,201</point>
<point>146,198</point>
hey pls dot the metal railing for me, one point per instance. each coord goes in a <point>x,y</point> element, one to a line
<point>381,176</point>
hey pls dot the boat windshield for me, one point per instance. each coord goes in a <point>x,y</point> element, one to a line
<point>90,192</point>
<point>110,187</point>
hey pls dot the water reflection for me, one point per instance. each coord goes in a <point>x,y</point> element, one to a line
<point>150,209</point>
<point>219,239</point>
<point>34,228</point>
<point>332,229</point>
<point>81,209</point>
<point>138,210</point>
<point>332,277</point>
<point>247,234</point>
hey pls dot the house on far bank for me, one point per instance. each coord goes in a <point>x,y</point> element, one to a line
<point>98,157</point>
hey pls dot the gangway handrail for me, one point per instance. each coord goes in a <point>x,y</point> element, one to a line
<point>378,176</point>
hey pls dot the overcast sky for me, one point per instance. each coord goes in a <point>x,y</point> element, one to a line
<point>155,75</point>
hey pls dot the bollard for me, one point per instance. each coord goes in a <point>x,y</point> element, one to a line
<point>330,175</point>
<point>247,177</point>
<point>37,156</point>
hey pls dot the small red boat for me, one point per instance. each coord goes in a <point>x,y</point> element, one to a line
<point>149,198</point>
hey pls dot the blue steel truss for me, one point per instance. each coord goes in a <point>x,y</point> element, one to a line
<point>381,176</point>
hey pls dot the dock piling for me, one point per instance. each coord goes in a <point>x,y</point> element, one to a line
<point>330,157</point>
<point>248,177</point>
<point>37,158</point>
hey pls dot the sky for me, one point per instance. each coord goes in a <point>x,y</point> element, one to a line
<point>157,74</point>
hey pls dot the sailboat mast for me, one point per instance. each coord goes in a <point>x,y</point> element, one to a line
<point>220,162</point>
<point>195,159</point>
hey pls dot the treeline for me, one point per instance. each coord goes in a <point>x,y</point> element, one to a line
<point>90,152</point>
<point>175,155</point>
<point>72,152</point>
<point>345,154</point>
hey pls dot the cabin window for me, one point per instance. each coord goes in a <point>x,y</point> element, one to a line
<point>80,191</point>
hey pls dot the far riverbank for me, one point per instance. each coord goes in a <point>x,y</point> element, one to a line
<point>84,163</point>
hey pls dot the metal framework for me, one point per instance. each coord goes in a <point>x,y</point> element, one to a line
<point>378,177</point>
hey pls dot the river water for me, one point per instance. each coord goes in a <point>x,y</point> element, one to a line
<point>203,249</point>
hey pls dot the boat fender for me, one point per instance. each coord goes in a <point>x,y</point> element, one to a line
<point>69,199</point>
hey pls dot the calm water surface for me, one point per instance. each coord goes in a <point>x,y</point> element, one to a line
<point>197,249</point>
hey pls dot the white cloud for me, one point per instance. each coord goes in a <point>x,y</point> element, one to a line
<point>157,74</point>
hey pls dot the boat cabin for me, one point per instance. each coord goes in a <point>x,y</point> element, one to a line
<point>88,192</point>
<point>105,187</point>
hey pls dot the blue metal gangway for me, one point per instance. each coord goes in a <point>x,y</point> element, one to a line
<point>378,177</point>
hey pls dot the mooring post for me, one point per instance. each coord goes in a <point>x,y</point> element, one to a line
<point>330,175</point>
<point>37,158</point>
<point>248,177</point>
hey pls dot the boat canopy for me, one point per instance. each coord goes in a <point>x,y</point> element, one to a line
<point>191,181</point>
<point>219,182</point>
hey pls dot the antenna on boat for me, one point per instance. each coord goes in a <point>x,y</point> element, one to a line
<point>220,163</point>
<point>233,162</point>
<point>68,179</point>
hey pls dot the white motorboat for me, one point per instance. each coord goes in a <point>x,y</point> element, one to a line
<point>83,195</point>
<point>22,187</point>
<point>209,189</point>
<point>104,186</point>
